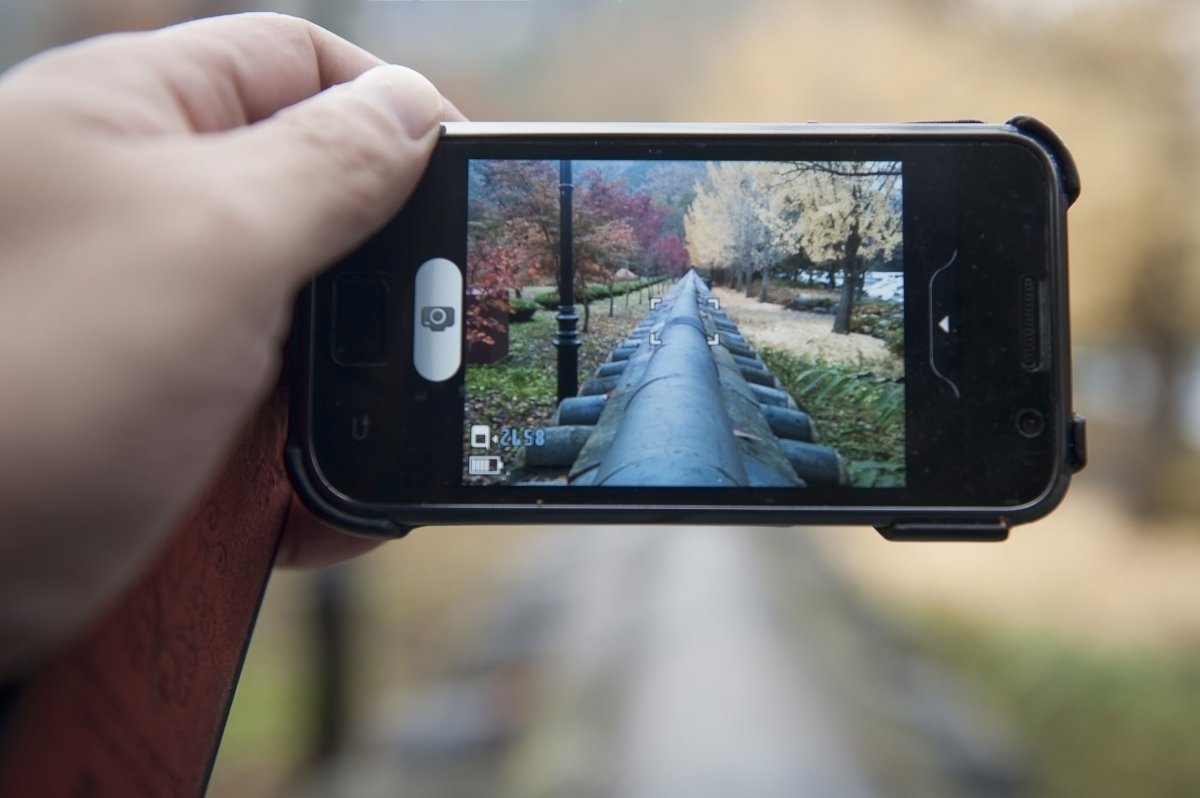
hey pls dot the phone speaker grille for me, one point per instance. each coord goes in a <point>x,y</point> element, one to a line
<point>1031,325</point>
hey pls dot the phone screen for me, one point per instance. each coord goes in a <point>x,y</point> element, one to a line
<point>748,321</point>
<point>713,347</point>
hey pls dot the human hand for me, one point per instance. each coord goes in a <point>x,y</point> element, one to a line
<point>162,198</point>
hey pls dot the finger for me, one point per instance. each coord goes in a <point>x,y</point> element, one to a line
<point>246,67</point>
<point>320,176</point>
<point>309,542</point>
<point>450,112</point>
<point>208,75</point>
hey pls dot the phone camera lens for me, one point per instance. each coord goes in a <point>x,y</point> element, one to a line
<point>1030,423</point>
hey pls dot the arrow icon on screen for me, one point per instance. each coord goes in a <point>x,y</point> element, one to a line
<point>945,324</point>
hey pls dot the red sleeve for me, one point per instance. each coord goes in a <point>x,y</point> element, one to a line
<point>136,707</point>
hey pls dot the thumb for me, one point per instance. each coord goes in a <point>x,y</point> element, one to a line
<point>324,174</point>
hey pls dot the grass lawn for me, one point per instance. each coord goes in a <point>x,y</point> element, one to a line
<point>859,414</point>
<point>520,391</point>
<point>1094,721</point>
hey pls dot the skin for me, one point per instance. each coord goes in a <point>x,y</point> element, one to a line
<point>163,196</point>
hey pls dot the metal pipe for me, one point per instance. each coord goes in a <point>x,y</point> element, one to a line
<point>675,430</point>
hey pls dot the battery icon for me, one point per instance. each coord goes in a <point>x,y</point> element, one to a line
<point>484,465</point>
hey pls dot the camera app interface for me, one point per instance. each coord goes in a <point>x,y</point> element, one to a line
<point>683,323</point>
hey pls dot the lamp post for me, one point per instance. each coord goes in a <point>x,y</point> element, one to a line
<point>566,336</point>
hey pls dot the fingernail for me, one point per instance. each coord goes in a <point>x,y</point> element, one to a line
<point>406,93</point>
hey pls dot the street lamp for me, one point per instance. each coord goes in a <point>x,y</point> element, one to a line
<point>566,336</point>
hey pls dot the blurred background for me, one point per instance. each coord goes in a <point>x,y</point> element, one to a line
<point>660,662</point>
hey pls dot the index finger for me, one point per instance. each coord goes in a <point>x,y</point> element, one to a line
<point>243,68</point>
<point>208,75</point>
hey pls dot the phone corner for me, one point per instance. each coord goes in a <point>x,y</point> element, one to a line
<point>1049,142</point>
<point>330,506</point>
<point>1051,498</point>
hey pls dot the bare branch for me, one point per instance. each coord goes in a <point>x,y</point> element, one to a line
<point>868,168</point>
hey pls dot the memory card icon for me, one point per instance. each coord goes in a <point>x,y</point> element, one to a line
<point>481,436</point>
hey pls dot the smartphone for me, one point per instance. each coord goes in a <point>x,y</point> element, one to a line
<point>761,324</point>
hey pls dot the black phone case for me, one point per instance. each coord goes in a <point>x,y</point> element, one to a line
<point>897,524</point>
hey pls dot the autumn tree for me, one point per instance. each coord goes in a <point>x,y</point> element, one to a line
<point>606,233</point>
<point>654,222</point>
<point>667,256</point>
<point>847,213</point>
<point>751,216</point>
<point>730,223</point>
<point>513,204</point>
<point>512,237</point>
<point>494,271</point>
<point>513,231</point>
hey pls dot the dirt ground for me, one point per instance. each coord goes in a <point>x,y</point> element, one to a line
<point>800,332</point>
<point>1091,570</point>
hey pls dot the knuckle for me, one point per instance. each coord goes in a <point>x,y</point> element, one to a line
<point>356,152</point>
<point>285,30</point>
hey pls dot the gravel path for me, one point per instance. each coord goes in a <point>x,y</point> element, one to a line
<point>801,333</point>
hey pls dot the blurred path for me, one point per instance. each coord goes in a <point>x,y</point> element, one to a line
<point>714,660</point>
<point>653,662</point>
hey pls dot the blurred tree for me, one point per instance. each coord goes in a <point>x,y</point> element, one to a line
<point>338,16</point>
<point>1106,77</point>
<point>18,32</point>
<point>70,20</point>
<point>1117,80</point>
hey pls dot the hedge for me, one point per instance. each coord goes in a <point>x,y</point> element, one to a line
<point>596,291</point>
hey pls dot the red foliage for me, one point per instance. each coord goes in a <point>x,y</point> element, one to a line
<point>514,234</point>
<point>668,255</point>
<point>605,201</point>
<point>494,270</point>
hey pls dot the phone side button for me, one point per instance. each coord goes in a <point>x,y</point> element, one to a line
<point>1077,454</point>
<point>980,531</point>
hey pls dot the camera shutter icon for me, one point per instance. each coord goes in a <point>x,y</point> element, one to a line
<point>437,317</point>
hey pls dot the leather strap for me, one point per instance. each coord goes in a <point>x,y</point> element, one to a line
<point>136,707</point>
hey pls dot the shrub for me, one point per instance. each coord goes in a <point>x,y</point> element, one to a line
<point>884,320</point>
<point>858,413</point>
<point>521,310</point>
<point>597,291</point>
